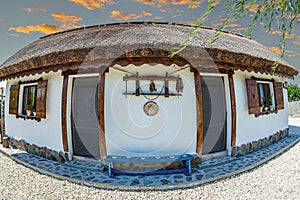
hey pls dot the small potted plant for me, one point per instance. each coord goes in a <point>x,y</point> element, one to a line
<point>28,109</point>
<point>34,112</point>
<point>271,102</point>
<point>266,104</point>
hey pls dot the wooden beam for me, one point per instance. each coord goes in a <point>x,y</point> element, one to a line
<point>101,99</point>
<point>233,109</point>
<point>153,78</point>
<point>64,112</point>
<point>198,92</point>
<point>154,94</point>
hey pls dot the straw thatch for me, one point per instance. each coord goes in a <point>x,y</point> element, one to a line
<point>139,43</point>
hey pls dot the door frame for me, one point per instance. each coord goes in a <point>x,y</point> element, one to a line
<point>72,101</point>
<point>230,110</point>
<point>67,131</point>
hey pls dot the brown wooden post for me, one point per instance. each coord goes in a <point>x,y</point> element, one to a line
<point>167,88</point>
<point>233,109</point>
<point>101,128</point>
<point>64,112</point>
<point>199,113</point>
<point>5,142</point>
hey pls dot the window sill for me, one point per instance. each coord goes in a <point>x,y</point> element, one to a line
<point>25,117</point>
<point>266,112</point>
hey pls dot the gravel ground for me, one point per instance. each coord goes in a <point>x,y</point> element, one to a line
<point>278,179</point>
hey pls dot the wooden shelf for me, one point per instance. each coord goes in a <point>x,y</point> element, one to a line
<point>25,117</point>
<point>166,79</point>
<point>266,113</point>
<point>153,78</point>
<point>151,94</point>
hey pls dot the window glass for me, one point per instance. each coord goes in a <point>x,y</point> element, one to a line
<point>265,96</point>
<point>29,98</point>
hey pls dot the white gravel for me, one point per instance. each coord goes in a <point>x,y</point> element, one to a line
<point>279,179</point>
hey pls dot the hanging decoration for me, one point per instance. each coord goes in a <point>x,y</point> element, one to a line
<point>179,85</point>
<point>152,87</point>
<point>165,90</point>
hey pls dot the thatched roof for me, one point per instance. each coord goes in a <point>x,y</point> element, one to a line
<point>139,43</point>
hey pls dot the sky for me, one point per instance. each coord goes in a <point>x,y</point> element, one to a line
<point>24,21</point>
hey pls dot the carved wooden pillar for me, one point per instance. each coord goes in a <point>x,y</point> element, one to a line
<point>233,109</point>
<point>101,99</point>
<point>199,112</point>
<point>64,112</point>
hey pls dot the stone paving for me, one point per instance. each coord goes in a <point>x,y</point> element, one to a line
<point>95,172</point>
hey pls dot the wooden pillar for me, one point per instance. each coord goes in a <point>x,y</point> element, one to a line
<point>233,109</point>
<point>199,112</point>
<point>5,142</point>
<point>101,98</point>
<point>64,112</point>
<point>167,88</point>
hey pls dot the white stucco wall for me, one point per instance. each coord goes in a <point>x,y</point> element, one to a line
<point>129,131</point>
<point>249,127</point>
<point>47,132</point>
<point>171,131</point>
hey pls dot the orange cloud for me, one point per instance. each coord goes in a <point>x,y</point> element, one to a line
<point>253,8</point>
<point>276,50</point>
<point>297,42</point>
<point>44,28</point>
<point>163,10</point>
<point>220,21</point>
<point>233,25</point>
<point>194,22</point>
<point>159,3</point>
<point>240,29</point>
<point>217,2</point>
<point>34,10</point>
<point>91,4</point>
<point>118,15</point>
<point>287,35</point>
<point>291,53</point>
<point>147,2</point>
<point>147,14</point>
<point>67,21</point>
<point>181,2</point>
<point>290,35</point>
<point>195,4</point>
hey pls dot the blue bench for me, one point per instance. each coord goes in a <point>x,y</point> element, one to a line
<point>185,159</point>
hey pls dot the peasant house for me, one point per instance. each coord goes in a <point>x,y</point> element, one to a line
<point>113,89</point>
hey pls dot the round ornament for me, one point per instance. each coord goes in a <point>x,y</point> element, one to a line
<point>151,108</point>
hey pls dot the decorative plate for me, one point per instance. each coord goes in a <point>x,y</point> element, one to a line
<point>151,108</point>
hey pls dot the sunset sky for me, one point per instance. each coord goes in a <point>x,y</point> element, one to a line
<point>24,21</point>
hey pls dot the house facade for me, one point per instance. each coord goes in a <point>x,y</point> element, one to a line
<point>114,90</point>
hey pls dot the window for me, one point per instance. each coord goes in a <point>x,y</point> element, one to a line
<point>32,102</point>
<point>29,100</point>
<point>264,97</point>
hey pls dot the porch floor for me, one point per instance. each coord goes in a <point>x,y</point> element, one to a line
<point>94,174</point>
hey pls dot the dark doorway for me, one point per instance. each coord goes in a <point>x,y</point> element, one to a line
<point>214,114</point>
<point>84,117</point>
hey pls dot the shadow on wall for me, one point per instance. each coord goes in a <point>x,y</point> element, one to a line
<point>294,109</point>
